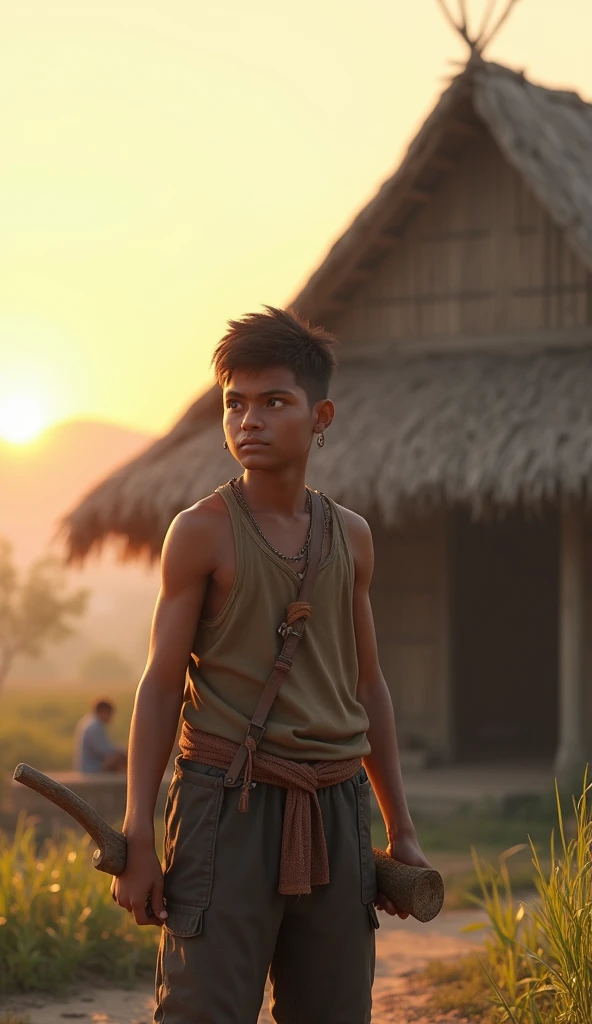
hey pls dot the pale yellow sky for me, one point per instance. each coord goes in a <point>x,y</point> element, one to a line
<point>168,165</point>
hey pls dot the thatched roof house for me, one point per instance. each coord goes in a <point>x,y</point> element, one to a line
<point>534,439</point>
<point>462,295</point>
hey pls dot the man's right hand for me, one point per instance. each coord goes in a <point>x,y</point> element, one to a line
<point>140,888</point>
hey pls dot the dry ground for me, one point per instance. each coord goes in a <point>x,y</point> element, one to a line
<point>403,948</point>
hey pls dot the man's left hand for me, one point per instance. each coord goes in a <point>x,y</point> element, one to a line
<point>406,849</point>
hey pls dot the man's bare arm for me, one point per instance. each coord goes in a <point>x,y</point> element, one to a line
<point>382,764</point>
<point>187,561</point>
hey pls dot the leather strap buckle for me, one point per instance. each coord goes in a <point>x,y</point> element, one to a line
<point>285,630</point>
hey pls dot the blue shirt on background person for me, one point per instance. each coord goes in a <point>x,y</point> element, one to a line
<point>94,750</point>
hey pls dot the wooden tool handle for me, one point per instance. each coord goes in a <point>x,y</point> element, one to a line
<point>112,846</point>
<point>415,891</point>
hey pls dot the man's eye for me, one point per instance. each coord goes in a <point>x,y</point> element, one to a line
<point>274,401</point>
<point>232,403</point>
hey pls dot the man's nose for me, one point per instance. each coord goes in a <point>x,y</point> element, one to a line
<point>252,419</point>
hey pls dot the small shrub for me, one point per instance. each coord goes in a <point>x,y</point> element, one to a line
<point>537,965</point>
<point>539,955</point>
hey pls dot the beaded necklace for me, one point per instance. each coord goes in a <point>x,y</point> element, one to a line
<point>304,550</point>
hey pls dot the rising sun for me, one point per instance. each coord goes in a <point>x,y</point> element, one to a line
<point>22,418</point>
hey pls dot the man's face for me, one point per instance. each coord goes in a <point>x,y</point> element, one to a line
<point>268,420</point>
<point>105,714</point>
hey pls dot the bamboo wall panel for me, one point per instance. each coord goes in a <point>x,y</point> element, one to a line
<point>413,668</point>
<point>481,257</point>
<point>410,603</point>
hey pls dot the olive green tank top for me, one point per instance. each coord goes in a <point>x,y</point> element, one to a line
<point>316,715</point>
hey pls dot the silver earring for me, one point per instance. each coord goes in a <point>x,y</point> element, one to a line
<point>321,440</point>
<point>225,445</point>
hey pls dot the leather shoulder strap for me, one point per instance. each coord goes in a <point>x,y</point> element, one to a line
<point>292,633</point>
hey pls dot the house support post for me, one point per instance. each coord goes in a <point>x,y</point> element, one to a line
<point>571,753</point>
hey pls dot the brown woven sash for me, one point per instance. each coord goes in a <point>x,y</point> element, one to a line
<point>303,859</point>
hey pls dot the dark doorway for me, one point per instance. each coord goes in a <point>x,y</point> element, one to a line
<point>506,637</point>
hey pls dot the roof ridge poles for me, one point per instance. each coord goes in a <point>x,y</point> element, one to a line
<point>485,33</point>
<point>483,42</point>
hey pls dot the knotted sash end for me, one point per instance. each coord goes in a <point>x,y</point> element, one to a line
<point>243,804</point>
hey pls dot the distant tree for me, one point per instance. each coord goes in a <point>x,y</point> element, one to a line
<point>105,666</point>
<point>36,607</point>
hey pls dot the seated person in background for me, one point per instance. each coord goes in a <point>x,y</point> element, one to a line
<point>94,751</point>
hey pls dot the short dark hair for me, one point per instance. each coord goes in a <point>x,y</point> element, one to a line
<point>103,705</point>
<point>278,337</point>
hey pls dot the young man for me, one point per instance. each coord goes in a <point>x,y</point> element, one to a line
<point>289,886</point>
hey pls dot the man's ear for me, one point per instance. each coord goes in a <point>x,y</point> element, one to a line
<point>325,411</point>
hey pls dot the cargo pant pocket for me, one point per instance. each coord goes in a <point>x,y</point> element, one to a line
<point>183,921</point>
<point>367,863</point>
<point>191,825</point>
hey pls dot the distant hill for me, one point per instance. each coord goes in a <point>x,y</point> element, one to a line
<point>38,485</point>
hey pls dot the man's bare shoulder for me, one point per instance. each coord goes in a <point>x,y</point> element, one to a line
<point>356,525</point>
<point>359,536</point>
<point>197,532</point>
<point>206,513</point>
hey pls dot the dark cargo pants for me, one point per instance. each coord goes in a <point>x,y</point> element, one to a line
<point>228,925</point>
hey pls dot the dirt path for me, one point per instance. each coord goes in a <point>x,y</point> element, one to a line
<point>403,948</point>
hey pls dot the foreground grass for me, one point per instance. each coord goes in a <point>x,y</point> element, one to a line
<point>537,964</point>
<point>58,920</point>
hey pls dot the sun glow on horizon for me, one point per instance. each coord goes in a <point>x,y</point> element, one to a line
<point>22,418</point>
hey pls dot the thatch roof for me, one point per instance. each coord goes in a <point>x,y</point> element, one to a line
<point>411,432</point>
<point>546,134</point>
<point>472,429</point>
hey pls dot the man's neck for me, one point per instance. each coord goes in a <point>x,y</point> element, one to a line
<point>280,491</point>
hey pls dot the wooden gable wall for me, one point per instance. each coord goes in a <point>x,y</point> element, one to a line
<point>412,616</point>
<point>479,260</point>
